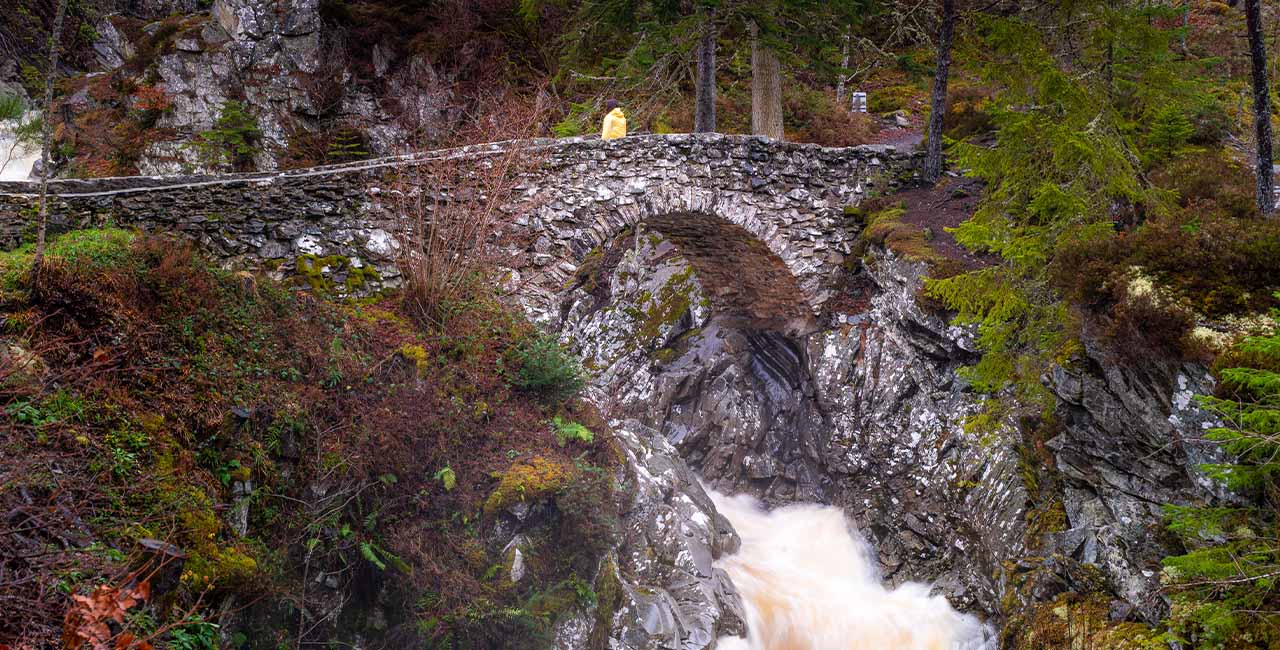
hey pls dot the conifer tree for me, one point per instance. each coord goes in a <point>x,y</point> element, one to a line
<point>1227,586</point>
<point>766,88</point>
<point>704,120</point>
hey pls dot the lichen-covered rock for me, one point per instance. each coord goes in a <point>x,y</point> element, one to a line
<point>671,595</point>
<point>1130,442</point>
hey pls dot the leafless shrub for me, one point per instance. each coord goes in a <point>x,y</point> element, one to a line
<point>325,87</point>
<point>451,208</point>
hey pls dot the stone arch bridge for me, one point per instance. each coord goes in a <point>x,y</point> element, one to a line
<point>762,222</point>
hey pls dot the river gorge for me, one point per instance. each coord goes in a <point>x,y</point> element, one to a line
<point>867,516</point>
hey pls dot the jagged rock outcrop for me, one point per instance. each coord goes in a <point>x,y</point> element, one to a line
<point>289,68</point>
<point>670,595</point>
<point>1128,443</point>
<point>657,588</point>
<point>868,414</point>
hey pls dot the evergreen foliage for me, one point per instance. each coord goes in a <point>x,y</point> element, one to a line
<point>11,107</point>
<point>1226,587</point>
<point>234,139</point>
<point>544,368</point>
<point>1061,166</point>
<point>348,144</point>
<point>645,49</point>
<point>1068,169</point>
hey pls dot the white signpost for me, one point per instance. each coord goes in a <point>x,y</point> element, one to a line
<point>858,102</point>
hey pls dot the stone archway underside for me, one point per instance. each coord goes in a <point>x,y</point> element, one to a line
<point>743,279</point>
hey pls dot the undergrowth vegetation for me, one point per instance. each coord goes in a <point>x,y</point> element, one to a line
<point>1112,201</point>
<point>1225,587</point>
<point>238,446</point>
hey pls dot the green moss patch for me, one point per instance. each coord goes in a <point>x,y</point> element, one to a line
<point>884,227</point>
<point>334,275</point>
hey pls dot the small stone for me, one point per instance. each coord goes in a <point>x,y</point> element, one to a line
<point>517,565</point>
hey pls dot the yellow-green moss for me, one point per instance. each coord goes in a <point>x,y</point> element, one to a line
<point>318,272</point>
<point>530,480</point>
<point>218,567</point>
<point>1074,622</point>
<point>672,301</point>
<point>885,228</point>
<point>359,278</point>
<point>418,355</point>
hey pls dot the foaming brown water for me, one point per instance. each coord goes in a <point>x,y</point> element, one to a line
<point>808,582</point>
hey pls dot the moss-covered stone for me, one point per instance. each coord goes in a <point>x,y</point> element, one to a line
<point>528,481</point>
<point>324,275</point>
<point>1075,622</point>
<point>663,310</point>
<point>608,599</point>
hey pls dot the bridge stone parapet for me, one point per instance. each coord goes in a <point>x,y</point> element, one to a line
<point>762,222</point>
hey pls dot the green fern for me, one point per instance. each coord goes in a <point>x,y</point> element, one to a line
<point>567,430</point>
<point>447,478</point>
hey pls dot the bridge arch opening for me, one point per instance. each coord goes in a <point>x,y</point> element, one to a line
<point>753,271</point>
<point>747,283</point>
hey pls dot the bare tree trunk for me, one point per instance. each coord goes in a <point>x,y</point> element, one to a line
<point>938,101</point>
<point>704,117</point>
<point>46,137</point>
<point>1186,19</point>
<point>844,65</point>
<point>766,89</point>
<point>1261,105</point>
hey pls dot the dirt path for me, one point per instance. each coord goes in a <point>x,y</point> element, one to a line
<point>945,205</point>
<point>904,138</point>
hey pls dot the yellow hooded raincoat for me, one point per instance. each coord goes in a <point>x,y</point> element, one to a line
<point>615,125</point>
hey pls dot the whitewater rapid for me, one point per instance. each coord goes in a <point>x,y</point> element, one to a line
<point>16,160</point>
<point>809,582</point>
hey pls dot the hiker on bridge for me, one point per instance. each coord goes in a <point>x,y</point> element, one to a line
<point>615,122</point>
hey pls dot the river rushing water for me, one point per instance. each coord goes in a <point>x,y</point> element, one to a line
<point>16,159</point>
<point>809,582</point>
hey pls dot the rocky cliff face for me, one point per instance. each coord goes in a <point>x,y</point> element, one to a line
<point>867,413</point>
<point>290,68</point>
<point>669,595</point>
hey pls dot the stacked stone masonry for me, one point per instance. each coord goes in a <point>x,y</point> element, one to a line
<point>741,208</point>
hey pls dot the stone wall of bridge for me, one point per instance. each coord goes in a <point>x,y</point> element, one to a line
<point>762,222</point>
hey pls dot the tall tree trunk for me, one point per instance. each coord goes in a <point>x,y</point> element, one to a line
<point>1186,19</point>
<point>938,101</point>
<point>46,137</point>
<point>704,117</point>
<point>844,65</point>
<point>766,89</point>
<point>1261,105</point>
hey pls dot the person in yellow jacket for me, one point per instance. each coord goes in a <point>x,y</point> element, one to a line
<point>615,122</point>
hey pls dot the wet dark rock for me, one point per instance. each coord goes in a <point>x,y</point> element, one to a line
<point>868,414</point>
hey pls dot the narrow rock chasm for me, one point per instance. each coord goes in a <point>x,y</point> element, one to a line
<point>866,414</point>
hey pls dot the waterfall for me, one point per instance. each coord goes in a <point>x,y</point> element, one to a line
<point>809,582</point>
<point>16,159</point>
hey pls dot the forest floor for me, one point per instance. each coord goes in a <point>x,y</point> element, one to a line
<point>937,209</point>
